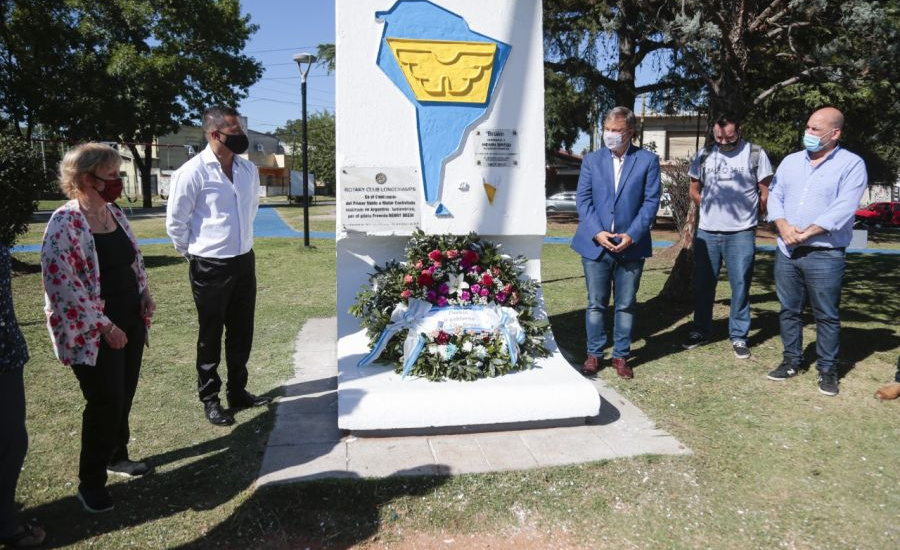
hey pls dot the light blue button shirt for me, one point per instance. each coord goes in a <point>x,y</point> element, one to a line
<point>826,195</point>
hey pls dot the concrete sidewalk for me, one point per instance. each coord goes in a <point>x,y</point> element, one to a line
<point>306,443</point>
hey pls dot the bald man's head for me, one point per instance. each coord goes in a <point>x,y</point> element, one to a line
<point>825,124</point>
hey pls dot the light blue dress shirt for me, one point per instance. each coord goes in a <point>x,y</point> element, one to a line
<point>826,195</point>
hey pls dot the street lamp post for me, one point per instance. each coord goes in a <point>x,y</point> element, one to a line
<point>304,62</point>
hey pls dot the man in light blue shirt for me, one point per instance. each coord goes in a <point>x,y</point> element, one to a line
<point>814,195</point>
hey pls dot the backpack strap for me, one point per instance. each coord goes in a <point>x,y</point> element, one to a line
<point>754,160</point>
<point>701,161</point>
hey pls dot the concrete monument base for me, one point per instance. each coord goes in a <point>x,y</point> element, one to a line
<point>375,398</point>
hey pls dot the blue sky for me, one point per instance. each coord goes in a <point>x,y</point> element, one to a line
<point>286,28</point>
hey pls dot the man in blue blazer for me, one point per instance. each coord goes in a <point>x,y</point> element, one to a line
<point>617,198</point>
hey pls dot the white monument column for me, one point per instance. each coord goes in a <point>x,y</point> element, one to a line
<point>440,127</point>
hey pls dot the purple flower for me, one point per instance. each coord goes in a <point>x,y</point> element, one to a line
<point>476,288</point>
<point>501,296</point>
<point>430,295</point>
<point>441,301</point>
<point>444,288</point>
<point>484,292</point>
<point>465,296</point>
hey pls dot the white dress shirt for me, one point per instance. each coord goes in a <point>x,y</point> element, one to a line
<point>209,215</point>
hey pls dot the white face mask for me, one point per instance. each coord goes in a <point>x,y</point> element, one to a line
<point>612,140</point>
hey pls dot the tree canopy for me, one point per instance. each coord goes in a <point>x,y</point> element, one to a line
<point>321,137</point>
<point>120,70</point>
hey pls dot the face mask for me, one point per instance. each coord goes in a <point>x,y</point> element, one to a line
<point>728,147</point>
<point>814,144</point>
<point>112,188</point>
<point>612,140</point>
<point>237,143</point>
<point>112,191</point>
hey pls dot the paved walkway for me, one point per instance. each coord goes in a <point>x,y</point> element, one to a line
<point>307,444</point>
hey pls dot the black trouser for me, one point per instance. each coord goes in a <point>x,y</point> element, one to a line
<point>225,294</point>
<point>13,445</point>
<point>108,387</point>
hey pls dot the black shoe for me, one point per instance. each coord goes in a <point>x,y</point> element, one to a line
<point>95,501</point>
<point>784,371</point>
<point>740,349</point>
<point>128,468</point>
<point>246,400</point>
<point>828,383</point>
<point>695,340</point>
<point>217,415</point>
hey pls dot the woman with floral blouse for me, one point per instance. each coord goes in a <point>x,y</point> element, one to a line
<point>98,310</point>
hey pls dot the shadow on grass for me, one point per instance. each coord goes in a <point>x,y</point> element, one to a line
<point>162,261</point>
<point>332,513</point>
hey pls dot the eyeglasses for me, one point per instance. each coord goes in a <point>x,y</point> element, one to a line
<point>105,180</point>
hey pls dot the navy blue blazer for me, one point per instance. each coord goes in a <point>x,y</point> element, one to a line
<point>633,207</point>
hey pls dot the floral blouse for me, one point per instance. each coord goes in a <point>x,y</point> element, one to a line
<point>13,350</point>
<point>71,274</point>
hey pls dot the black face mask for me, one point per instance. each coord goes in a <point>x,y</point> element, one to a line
<point>237,143</point>
<point>728,147</point>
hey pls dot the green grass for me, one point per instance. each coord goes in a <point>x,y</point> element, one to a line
<point>774,465</point>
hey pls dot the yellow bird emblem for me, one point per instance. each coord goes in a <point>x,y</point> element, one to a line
<point>445,71</point>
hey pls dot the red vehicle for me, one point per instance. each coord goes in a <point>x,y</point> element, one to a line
<point>879,214</point>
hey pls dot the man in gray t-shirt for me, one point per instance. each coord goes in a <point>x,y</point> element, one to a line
<point>730,185</point>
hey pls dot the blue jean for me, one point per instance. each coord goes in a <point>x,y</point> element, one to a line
<point>816,274</point>
<point>602,276</point>
<point>737,249</point>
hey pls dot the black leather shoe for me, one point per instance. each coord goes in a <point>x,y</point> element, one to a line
<point>217,415</point>
<point>246,400</point>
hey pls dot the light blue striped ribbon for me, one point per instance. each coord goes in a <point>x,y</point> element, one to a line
<point>403,317</point>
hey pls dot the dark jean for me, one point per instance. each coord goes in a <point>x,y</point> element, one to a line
<point>13,445</point>
<point>603,276</point>
<point>816,274</point>
<point>224,292</point>
<point>737,250</point>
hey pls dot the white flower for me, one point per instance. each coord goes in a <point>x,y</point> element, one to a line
<point>467,346</point>
<point>457,283</point>
<point>480,351</point>
<point>433,349</point>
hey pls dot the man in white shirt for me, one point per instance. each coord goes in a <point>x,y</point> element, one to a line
<point>213,199</point>
<point>730,186</point>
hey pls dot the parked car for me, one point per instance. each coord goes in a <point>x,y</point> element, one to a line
<point>879,214</point>
<point>561,202</point>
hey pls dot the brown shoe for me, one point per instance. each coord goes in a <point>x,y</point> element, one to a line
<point>591,365</point>
<point>890,391</point>
<point>622,368</point>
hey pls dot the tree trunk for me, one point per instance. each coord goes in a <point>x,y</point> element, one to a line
<point>679,285</point>
<point>143,165</point>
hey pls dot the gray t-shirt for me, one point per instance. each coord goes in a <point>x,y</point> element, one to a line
<point>729,199</point>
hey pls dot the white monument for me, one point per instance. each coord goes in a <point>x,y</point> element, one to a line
<point>440,127</point>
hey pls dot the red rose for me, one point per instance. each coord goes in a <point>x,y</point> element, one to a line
<point>442,338</point>
<point>487,280</point>
<point>406,293</point>
<point>425,279</point>
<point>434,255</point>
<point>470,256</point>
<point>451,254</point>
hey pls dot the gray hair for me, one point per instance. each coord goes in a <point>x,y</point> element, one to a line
<point>621,112</point>
<point>214,117</point>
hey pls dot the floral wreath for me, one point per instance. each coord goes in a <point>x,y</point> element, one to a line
<point>450,272</point>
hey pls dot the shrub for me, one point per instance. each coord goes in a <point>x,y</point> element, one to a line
<point>21,181</point>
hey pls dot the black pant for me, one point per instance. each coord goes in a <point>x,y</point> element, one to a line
<point>13,445</point>
<point>225,294</point>
<point>108,387</point>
